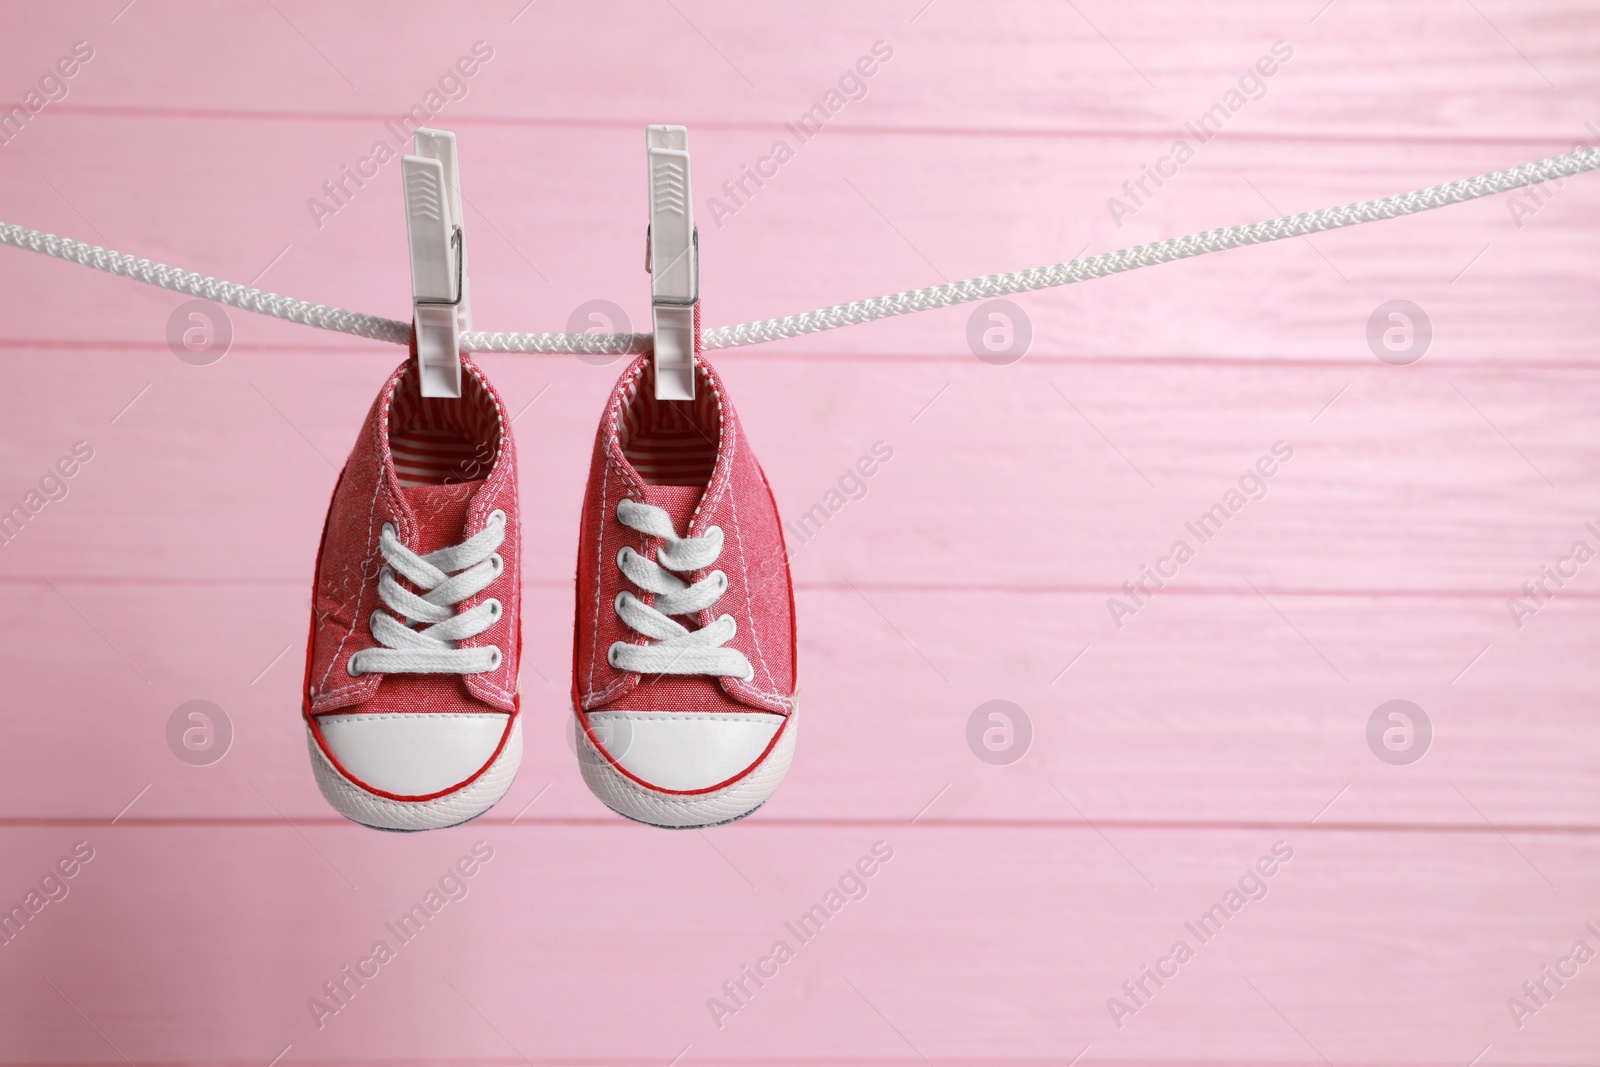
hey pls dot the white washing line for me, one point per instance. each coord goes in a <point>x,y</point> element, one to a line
<point>830,318</point>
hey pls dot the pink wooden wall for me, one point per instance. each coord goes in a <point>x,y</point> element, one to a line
<point>1230,713</point>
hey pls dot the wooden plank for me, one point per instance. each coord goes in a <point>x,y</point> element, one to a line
<point>1042,475</point>
<point>1507,70</point>
<point>555,956</point>
<point>1224,708</point>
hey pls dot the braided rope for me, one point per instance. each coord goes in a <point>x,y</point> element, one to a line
<point>588,344</point>
<point>187,281</point>
<point>1147,255</point>
<point>830,318</point>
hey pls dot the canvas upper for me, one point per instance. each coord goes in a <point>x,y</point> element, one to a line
<point>392,748</point>
<point>674,748</point>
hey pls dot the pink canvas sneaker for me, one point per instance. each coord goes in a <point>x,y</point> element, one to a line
<point>684,650</point>
<point>411,699</point>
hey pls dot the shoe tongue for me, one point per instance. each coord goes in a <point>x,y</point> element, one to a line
<point>678,501</point>
<point>441,513</point>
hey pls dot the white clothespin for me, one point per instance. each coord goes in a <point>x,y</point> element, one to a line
<point>672,256</point>
<point>440,303</point>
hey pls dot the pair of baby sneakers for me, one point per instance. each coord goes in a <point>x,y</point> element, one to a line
<point>683,660</point>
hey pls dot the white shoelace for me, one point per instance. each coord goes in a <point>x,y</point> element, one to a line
<point>676,649</point>
<point>449,576</point>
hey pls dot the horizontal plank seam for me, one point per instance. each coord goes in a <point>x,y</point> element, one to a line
<point>793,822</point>
<point>753,1060</point>
<point>362,347</point>
<point>1031,589</point>
<point>1554,142</point>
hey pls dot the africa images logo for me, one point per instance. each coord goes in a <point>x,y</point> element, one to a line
<point>451,86</point>
<point>1251,886</point>
<point>850,86</point>
<point>852,885</point>
<point>1251,85</point>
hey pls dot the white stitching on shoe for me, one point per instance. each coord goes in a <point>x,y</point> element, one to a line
<point>323,693</point>
<point>599,547</point>
<point>744,570</point>
<point>505,692</point>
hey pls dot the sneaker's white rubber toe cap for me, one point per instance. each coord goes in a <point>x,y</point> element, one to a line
<point>684,769</point>
<point>415,771</point>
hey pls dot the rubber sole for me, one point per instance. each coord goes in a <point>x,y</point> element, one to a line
<point>381,813</point>
<point>707,826</point>
<point>674,811</point>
